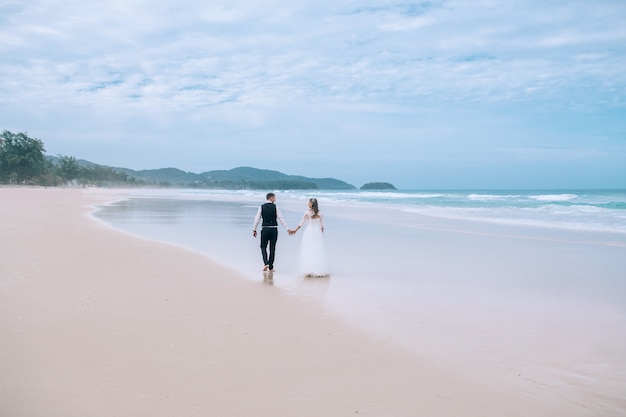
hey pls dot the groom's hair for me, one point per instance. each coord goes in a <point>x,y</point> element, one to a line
<point>270,195</point>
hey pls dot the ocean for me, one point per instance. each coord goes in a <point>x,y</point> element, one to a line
<point>576,210</point>
<point>573,211</point>
<point>409,266</point>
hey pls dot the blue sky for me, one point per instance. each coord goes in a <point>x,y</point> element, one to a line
<point>435,94</point>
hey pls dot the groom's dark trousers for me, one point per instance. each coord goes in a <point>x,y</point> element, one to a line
<point>269,236</point>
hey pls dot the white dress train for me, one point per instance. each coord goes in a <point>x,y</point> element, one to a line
<point>313,259</point>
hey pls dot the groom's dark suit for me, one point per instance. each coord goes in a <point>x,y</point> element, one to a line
<point>269,233</point>
<point>270,215</point>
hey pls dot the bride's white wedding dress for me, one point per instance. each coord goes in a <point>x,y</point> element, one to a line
<point>313,260</point>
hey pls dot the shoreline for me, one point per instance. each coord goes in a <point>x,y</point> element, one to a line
<point>103,323</point>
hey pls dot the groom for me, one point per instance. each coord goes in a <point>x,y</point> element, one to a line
<point>271,215</point>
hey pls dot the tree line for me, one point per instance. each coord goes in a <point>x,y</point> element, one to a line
<point>23,162</point>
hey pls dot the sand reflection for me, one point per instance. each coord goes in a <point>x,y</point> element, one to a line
<point>313,288</point>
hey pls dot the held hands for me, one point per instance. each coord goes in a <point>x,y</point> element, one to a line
<point>291,232</point>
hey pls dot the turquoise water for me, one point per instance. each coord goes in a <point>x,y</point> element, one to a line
<point>575,210</point>
<point>588,210</point>
<point>600,210</point>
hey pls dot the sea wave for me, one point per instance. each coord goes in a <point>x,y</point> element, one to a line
<point>491,197</point>
<point>617,205</point>
<point>554,197</point>
<point>551,216</point>
<point>392,195</point>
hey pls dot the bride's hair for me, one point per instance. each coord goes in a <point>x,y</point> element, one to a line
<point>314,206</point>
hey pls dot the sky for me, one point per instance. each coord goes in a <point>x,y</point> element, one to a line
<point>460,94</point>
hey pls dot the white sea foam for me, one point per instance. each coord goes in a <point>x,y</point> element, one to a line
<point>490,197</point>
<point>554,197</point>
<point>549,216</point>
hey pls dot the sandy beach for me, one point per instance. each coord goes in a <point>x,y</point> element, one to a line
<point>97,322</point>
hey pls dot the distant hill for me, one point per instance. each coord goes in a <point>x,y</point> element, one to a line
<point>83,163</point>
<point>378,186</point>
<point>255,175</point>
<point>164,176</point>
<point>236,178</point>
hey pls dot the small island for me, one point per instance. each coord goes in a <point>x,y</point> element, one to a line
<point>378,186</point>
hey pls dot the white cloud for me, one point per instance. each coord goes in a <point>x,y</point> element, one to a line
<point>406,24</point>
<point>304,71</point>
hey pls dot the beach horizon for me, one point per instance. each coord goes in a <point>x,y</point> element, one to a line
<point>100,322</point>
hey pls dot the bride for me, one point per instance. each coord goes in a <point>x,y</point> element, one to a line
<point>313,257</point>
